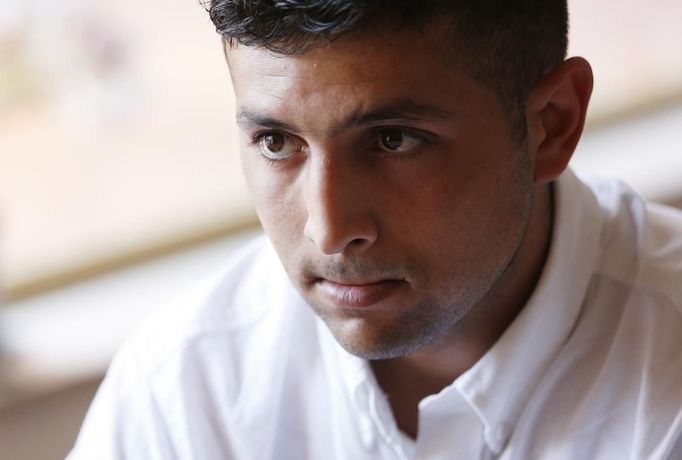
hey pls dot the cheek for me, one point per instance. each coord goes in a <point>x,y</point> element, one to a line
<point>468,211</point>
<point>275,200</point>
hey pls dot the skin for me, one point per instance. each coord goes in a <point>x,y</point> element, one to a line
<point>397,198</point>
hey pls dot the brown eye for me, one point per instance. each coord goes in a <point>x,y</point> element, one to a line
<point>399,140</point>
<point>392,140</point>
<point>273,142</point>
<point>277,146</point>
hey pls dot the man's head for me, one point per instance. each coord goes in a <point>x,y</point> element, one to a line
<point>381,146</point>
<point>506,45</point>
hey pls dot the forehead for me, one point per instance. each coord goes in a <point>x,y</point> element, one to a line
<point>352,74</point>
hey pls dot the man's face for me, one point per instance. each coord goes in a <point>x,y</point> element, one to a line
<point>388,181</point>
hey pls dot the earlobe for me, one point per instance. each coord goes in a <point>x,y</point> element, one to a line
<point>555,111</point>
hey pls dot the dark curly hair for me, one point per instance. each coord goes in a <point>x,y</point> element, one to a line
<point>506,45</point>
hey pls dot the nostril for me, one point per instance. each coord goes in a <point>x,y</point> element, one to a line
<point>358,242</point>
<point>333,239</point>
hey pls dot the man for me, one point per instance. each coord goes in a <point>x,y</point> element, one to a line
<point>434,282</point>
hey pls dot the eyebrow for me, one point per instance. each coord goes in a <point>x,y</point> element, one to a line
<point>251,118</point>
<point>402,109</point>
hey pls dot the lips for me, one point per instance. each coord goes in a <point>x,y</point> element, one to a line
<point>358,295</point>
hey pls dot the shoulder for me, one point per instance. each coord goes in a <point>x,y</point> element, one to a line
<point>224,302</point>
<point>661,263</point>
<point>231,318</point>
<point>632,310</point>
<point>224,340</point>
<point>641,242</point>
<point>620,369</point>
<point>206,368</point>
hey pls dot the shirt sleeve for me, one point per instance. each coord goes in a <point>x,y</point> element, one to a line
<point>124,420</point>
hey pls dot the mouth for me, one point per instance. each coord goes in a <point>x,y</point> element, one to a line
<point>358,295</point>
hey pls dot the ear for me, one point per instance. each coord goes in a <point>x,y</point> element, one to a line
<point>555,112</point>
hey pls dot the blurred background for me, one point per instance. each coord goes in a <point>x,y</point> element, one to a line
<point>120,186</point>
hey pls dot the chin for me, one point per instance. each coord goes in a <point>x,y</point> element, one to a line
<point>369,341</point>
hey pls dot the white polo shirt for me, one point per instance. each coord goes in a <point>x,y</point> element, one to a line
<point>590,369</point>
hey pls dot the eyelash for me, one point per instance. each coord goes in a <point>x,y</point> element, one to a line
<point>258,137</point>
<point>414,134</point>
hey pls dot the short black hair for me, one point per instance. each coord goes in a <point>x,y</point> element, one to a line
<point>507,45</point>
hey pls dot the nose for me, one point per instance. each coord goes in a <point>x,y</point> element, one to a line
<point>340,219</point>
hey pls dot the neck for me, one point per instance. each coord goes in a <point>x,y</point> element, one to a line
<point>409,379</point>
